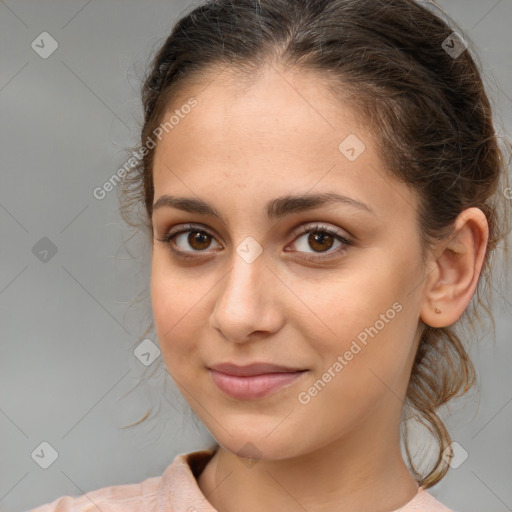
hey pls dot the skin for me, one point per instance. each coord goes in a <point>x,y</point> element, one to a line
<point>241,146</point>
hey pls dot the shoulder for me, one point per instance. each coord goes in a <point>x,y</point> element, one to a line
<point>107,499</point>
<point>426,502</point>
<point>176,486</point>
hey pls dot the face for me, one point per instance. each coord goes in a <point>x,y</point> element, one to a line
<point>331,288</point>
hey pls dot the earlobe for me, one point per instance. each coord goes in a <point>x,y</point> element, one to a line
<point>457,270</point>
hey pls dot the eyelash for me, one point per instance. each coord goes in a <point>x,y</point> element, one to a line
<point>168,238</point>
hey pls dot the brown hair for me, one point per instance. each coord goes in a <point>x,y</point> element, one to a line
<point>427,109</point>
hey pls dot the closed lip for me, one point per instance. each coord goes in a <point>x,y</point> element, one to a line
<point>252,369</point>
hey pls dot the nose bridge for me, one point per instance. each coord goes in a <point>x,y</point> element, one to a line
<point>243,297</point>
<point>246,274</point>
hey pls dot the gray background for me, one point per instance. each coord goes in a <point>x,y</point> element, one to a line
<point>67,331</point>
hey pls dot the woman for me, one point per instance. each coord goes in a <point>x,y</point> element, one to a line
<point>320,183</point>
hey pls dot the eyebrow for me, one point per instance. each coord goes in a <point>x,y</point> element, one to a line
<point>276,208</point>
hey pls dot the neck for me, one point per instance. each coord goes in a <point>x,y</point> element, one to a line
<point>363,471</point>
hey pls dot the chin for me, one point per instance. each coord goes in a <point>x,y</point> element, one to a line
<point>262,447</point>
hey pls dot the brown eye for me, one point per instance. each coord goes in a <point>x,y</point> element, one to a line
<point>198,240</point>
<point>320,241</point>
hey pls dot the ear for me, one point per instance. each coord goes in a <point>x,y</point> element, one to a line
<point>456,269</point>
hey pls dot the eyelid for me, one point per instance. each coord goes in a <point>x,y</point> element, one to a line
<point>303,229</point>
<point>320,226</point>
<point>169,236</point>
<point>184,228</point>
<point>346,242</point>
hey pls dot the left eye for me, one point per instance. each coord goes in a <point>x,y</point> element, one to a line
<point>321,239</point>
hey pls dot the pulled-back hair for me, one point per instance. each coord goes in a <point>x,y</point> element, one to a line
<point>425,107</point>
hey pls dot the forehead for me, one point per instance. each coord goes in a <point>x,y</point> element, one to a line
<point>279,134</point>
<point>274,103</point>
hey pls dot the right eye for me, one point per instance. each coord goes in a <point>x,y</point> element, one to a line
<point>192,235</point>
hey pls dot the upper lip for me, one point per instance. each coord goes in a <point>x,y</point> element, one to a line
<point>252,369</point>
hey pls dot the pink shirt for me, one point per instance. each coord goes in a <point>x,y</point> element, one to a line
<point>176,490</point>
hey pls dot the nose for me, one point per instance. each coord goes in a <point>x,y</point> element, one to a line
<point>247,302</point>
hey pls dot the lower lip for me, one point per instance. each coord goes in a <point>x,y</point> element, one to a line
<point>256,386</point>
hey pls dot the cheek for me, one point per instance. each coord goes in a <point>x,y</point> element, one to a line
<point>172,296</point>
<point>176,313</point>
<point>339,307</point>
<point>361,316</point>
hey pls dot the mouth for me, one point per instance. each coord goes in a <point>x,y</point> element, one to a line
<point>252,369</point>
<point>253,381</point>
